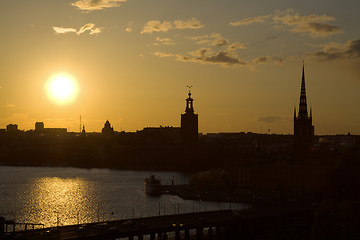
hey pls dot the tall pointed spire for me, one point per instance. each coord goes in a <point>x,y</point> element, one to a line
<point>303,113</point>
<point>303,128</point>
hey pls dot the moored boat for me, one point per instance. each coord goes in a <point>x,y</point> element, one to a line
<point>152,185</point>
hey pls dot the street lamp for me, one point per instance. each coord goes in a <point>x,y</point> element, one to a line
<point>57,218</point>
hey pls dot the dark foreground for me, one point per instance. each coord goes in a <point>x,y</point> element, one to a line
<point>285,223</point>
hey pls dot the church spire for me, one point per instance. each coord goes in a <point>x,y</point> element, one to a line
<point>303,128</point>
<point>303,113</point>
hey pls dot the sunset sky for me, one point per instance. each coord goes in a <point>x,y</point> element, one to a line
<point>132,61</point>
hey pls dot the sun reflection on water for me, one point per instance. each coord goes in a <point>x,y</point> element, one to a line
<point>67,196</point>
<point>57,201</point>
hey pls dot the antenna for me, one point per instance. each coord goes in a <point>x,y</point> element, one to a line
<point>80,125</point>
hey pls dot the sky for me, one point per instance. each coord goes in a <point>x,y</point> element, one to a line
<point>132,61</point>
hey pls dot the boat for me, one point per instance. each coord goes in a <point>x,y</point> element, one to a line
<point>152,185</point>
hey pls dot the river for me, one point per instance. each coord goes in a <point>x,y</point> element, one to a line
<point>65,196</point>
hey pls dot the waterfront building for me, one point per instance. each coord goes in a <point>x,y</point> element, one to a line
<point>189,124</point>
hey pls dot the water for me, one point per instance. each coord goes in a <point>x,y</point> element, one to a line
<point>66,196</point>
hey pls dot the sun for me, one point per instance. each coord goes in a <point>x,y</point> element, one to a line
<point>62,88</point>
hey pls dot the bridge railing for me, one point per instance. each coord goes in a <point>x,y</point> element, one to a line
<point>11,226</point>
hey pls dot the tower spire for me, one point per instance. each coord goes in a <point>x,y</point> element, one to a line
<point>189,124</point>
<point>189,102</point>
<point>303,113</point>
<point>303,128</point>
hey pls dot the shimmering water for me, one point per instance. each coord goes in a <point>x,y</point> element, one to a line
<point>65,196</point>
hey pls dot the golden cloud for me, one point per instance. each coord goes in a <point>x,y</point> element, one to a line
<point>89,5</point>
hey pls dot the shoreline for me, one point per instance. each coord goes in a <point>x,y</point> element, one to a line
<point>101,167</point>
<point>185,192</point>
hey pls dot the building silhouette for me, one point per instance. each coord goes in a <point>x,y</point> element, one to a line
<point>12,128</point>
<point>189,124</point>
<point>39,127</point>
<point>303,128</point>
<point>165,134</point>
<point>107,129</point>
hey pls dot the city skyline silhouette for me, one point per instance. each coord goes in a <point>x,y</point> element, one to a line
<point>303,130</point>
<point>130,62</point>
<point>179,119</point>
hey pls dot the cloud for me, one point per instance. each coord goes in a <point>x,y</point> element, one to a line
<point>95,31</point>
<point>204,41</point>
<point>314,25</point>
<point>215,39</point>
<point>89,5</point>
<point>259,19</point>
<point>195,38</point>
<point>191,23</point>
<point>236,45</point>
<point>219,40</point>
<point>64,30</point>
<point>268,59</point>
<point>323,27</point>
<point>270,119</point>
<point>226,57</point>
<point>163,54</point>
<point>158,26</point>
<point>87,27</point>
<point>333,51</point>
<point>163,41</point>
<point>205,55</point>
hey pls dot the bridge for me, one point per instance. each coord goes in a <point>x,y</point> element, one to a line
<point>202,225</point>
